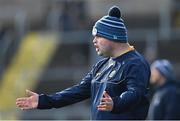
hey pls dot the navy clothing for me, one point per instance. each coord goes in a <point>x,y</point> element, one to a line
<point>165,103</point>
<point>125,79</point>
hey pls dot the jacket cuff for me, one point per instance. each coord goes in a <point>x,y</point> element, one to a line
<point>43,102</point>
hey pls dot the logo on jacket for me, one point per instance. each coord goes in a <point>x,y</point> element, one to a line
<point>112,74</point>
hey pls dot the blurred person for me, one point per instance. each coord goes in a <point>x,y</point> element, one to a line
<point>117,84</point>
<point>165,102</point>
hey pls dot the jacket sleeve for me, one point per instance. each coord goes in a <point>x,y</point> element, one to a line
<point>68,96</point>
<point>164,105</point>
<point>172,110</point>
<point>136,81</point>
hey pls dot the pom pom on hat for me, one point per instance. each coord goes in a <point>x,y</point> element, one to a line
<point>115,12</point>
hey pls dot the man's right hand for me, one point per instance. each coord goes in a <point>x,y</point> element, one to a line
<point>30,102</point>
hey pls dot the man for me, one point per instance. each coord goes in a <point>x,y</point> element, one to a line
<point>165,103</point>
<point>117,84</point>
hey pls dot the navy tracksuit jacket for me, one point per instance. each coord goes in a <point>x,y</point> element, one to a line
<point>125,79</point>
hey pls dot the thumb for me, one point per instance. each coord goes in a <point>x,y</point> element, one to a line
<point>30,93</point>
<point>106,94</point>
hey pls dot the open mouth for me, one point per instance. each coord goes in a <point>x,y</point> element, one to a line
<point>97,49</point>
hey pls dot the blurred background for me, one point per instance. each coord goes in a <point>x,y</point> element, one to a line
<point>46,46</point>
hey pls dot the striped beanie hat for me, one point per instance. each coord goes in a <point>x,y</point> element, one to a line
<point>111,26</point>
<point>164,67</point>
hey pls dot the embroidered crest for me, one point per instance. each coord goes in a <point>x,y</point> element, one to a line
<point>94,31</point>
<point>112,73</point>
<point>114,37</point>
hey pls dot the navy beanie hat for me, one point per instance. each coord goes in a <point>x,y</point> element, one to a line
<point>111,26</point>
<point>164,67</point>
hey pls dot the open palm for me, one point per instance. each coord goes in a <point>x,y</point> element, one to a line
<point>30,102</point>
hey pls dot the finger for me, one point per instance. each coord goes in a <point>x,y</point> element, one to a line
<point>22,102</point>
<point>105,103</point>
<point>102,109</point>
<point>19,105</point>
<point>25,106</point>
<point>22,105</point>
<point>102,106</point>
<point>21,99</point>
<point>105,100</point>
<point>19,102</point>
<point>29,93</point>
<point>105,94</point>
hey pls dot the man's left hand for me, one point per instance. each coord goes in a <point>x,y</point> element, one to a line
<point>106,103</point>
